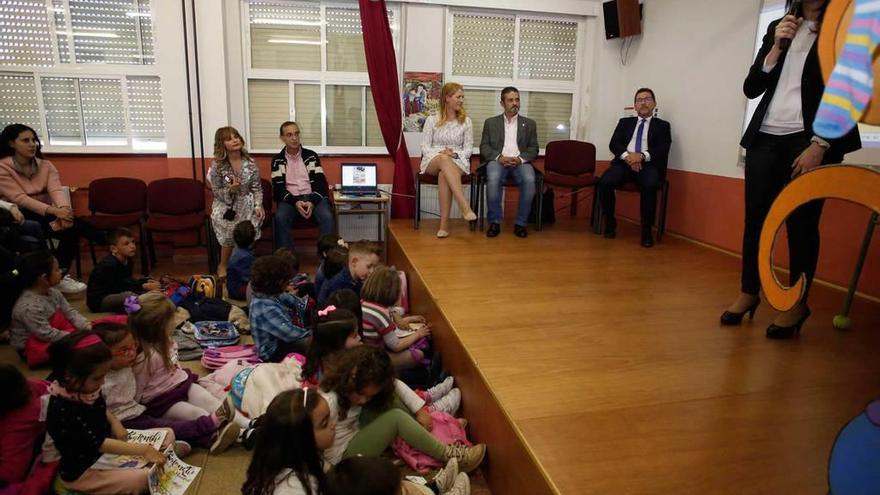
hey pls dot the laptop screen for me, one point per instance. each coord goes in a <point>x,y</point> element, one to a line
<point>359,178</point>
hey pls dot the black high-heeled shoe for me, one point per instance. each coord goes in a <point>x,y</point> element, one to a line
<point>775,331</point>
<point>730,318</point>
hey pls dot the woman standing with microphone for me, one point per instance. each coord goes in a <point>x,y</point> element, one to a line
<point>780,146</point>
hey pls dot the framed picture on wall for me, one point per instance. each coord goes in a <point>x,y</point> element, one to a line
<point>421,97</point>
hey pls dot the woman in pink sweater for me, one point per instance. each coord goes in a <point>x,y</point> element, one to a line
<point>32,183</point>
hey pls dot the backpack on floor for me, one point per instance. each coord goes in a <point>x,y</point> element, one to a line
<point>205,285</point>
<point>206,308</point>
<point>217,357</point>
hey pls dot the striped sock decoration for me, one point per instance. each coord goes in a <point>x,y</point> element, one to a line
<point>851,86</point>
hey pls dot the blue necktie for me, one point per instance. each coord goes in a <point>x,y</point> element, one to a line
<point>639,133</point>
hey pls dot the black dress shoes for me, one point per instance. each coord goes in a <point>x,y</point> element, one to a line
<point>520,231</point>
<point>494,230</point>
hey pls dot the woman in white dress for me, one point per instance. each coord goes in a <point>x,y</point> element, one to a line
<point>447,142</point>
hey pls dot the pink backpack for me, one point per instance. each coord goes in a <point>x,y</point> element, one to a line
<point>215,358</point>
<point>446,429</point>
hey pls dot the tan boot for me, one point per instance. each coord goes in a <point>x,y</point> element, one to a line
<point>469,458</point>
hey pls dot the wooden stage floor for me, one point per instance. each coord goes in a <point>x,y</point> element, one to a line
<point>596,366</point>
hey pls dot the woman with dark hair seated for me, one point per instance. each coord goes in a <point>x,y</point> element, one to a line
<point>33,185</point>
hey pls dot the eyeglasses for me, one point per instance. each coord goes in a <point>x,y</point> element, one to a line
<point>126,351</point>
<point>647,99</point>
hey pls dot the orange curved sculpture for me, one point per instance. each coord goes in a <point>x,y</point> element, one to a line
<point>856,184</point>
<point>850,183</point>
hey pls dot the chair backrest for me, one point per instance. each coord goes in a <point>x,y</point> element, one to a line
<point>570,157</point>
<point>176,196</point>
<point>117,196</point>
<point>267,195</point>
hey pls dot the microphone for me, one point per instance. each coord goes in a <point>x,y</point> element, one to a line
<point>796,10</point>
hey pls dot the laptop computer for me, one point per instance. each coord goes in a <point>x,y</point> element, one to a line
<point>360,179</point>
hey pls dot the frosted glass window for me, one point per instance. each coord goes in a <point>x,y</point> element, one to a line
<point>61,104</point>
<point>374,132</point>
<point>268,106</point>
<point>552,114</point>
<point>18,101</point>
<point>103,111</point>
<point>285,35</point>
<point>24,34</point>
<point>307,113</point>
<point>482,45</point>
<point>145,112</point>
<point>481,104</point>
<point>344,120</point>
<point>547,50</point>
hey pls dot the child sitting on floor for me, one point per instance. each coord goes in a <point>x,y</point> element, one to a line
<point>20,427</point>
<point>111,280</point>
<point>120,387</point>
<point>80,425</point>
<point>363,256</point>
<point>238,270</point>
<point>31,329</point>
<point>167,390</point>
<point>272,327</point>
<point>326,243</point>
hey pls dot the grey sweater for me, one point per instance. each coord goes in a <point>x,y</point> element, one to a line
<point>31,315</point>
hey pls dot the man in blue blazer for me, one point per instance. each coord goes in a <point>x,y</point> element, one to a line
<point>508,146</point>
<point>641,149</point>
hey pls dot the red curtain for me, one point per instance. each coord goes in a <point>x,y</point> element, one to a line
<point>382,67</point>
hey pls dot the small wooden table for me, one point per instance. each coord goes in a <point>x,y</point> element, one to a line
<point>366,205</point>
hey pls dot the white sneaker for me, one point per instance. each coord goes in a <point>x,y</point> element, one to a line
<point>445,478</point>
<point>70,285</point>
<point>448,403</point>
<point>462,486</point>
<point>438,391</point>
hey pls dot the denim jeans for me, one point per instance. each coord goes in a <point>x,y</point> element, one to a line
<point>497,175</point>
<point>287,214</point>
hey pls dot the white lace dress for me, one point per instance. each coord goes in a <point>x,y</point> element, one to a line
<point>458,137</point>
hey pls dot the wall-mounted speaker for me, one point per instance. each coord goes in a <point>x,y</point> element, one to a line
<point>622,18</point>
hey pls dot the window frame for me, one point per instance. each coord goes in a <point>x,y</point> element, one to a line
<point>74,70</point>
<point>524,85</point>
<point>322,79</point>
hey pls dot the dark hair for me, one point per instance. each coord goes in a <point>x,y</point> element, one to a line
<point>244,234</point>
<point>290,256</point>
<point>363,476</point>
<point>329,336</point>
<point>327,242</point>
<point>34,265</point>
<point>285,124</point>
<point>508,89</point>
<point>112,333</point>
<point>285,440</point>
<point>644,90</point>
<point>11,133</point>
<point>819,20</point>
<point>334,261</point>
<point>71,366</point>
<point>16,391</point>
<point>10,284</point>
<point>350,300</point>
<point>353,370</point>
<point>271,274</point>
<point>118,233</point>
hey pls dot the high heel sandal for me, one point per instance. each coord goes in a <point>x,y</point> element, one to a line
<point>731,318</point>
<point>775,331</point>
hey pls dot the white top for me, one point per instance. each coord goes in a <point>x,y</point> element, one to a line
<point>288,484</point>
<point>785,114</point>
<point>119,390</point>
<point>632,140</point>
<point>346,428</point>
<point>510,127</point>
<point>458,137</point>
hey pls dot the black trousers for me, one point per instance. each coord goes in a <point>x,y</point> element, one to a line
<point>648,178</point>
<point>768,170</point>
<point>67,238</point>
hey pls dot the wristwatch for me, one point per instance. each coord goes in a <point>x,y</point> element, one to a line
<point>821,142</point>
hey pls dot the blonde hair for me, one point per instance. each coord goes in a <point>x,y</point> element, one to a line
<point>449,89</point>
<point>221,156</point>
<point>150,325</point>
<point>382,287</point>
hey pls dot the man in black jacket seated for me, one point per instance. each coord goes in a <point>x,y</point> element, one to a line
<point>641,150</point>
<point>111,280</point>
<point>299,187</point>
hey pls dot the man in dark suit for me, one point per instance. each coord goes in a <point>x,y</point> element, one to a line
<point>641,149</point>
<point>508,146</point>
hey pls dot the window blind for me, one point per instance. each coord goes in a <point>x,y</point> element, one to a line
<point>19,95</point>
<point>24,34</point>
<point>103,111</point>
<point>107,31</point>
<point>307,110</point>
<point>552,114</point>
<point>344,121</point>
<point>268,107</point>
<point>145,110</point>
<point>61,104</point>
<point>285,35</point>
<point>547,49</point>
<point>374,132</point>
<point>345,43</point>
<point>480,104</point>
<point>482,45</point>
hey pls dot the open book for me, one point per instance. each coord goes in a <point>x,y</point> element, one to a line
<point>172,478</point>
<point>153,438</point>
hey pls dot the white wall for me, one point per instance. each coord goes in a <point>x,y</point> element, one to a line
<point>694,55</point>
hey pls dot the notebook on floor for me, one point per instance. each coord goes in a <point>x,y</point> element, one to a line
<point>360,179</point>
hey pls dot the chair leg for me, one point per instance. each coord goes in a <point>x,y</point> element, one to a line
<point>481,201</point>
<point>539,197</point>
<point>596,216</point>
<point>77,258</point>
<point>145,264</point>
<point>152,246</point>
<point>209,242</point>
<point>473,185</point>
<point>92,252</point>
<point>664,199</point>
<point>418,214</point>
<point>574,201</point>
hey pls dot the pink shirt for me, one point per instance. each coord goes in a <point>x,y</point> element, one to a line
<point>510,127</point>
<point>153,379</point>
<point>19,431</point>
<point>297,176</point>
<point>36,193</point>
